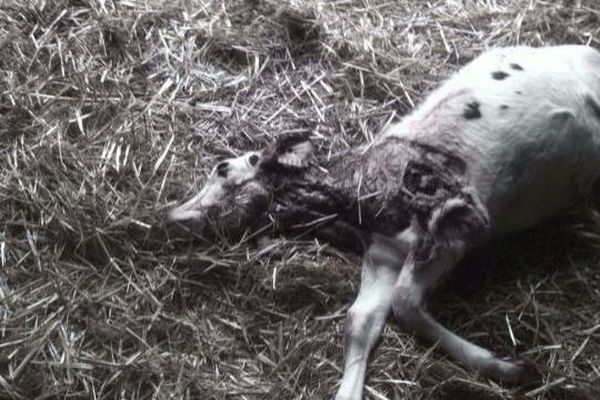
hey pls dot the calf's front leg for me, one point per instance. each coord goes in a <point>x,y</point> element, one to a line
<point>367,315</point>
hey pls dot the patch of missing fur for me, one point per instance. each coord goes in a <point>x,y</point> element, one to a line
<point>499,75</point>
<point>472,111</point>
<point>516,67</point>
<point>593,105</point>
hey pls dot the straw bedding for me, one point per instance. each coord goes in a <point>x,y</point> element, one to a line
<point>113,111</point>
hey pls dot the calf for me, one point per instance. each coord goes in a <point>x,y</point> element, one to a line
<point>510,140</point>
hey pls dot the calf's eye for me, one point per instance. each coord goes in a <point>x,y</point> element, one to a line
<point>253,159</point>
<point>222,169</point>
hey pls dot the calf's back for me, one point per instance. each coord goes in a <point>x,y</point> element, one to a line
<point>526,121</point>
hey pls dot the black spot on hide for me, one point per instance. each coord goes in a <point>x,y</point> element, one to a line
<point>519,92</point>
<point>504,107</point>
<point>499,75</point>
<point>472,111</point>
<point>516,67</point>
<point>593,104</point>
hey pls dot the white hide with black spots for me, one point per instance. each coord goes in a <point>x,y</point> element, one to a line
<point>510,140</point>
<point>531,143</point>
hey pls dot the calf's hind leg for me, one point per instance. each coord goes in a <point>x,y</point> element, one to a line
<point>367,316</point>
<point>408,307</point>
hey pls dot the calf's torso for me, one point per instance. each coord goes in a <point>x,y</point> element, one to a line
<point>526,124</point>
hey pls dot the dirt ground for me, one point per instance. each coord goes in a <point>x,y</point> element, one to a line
<point>111,112</point>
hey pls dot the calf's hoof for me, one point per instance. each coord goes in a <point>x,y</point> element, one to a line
<point>513,371</point>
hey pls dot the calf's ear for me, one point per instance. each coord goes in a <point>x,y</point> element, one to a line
<point>293,150</point>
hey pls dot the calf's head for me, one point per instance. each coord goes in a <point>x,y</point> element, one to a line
<point>239,191</point>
